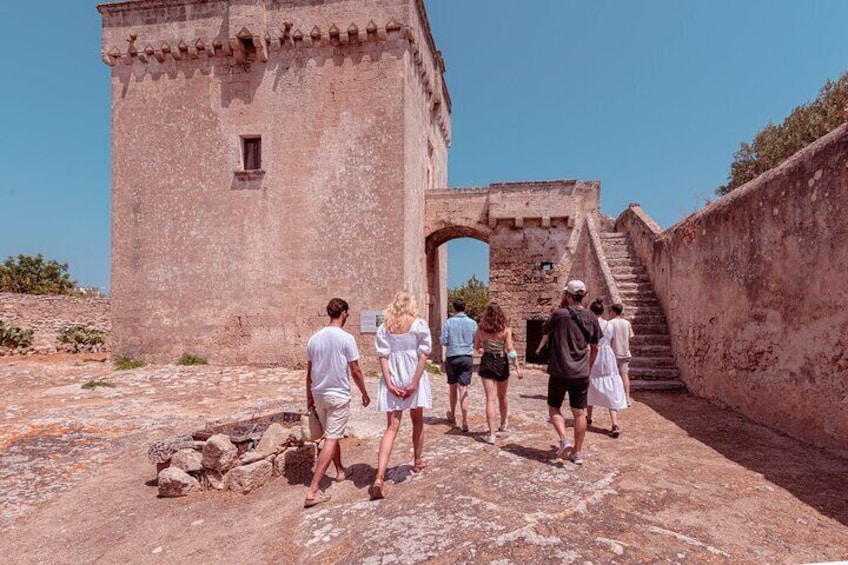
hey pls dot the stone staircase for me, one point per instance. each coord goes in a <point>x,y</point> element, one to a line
<point>652,367</point>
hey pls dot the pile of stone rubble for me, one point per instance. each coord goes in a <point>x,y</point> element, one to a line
<point>233,462</point>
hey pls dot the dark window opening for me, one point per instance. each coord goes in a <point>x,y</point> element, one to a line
<point>252,153</point>
<point>248,46</point>
<point>534,336</point>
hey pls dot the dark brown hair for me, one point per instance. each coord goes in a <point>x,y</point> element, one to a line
<point>597,307</point>
<point>336,307</point>
<point>493,321</point>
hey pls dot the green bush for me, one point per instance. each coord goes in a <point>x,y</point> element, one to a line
<point>191,359</point>
<point>476,295</point>
<point>92,384</point>
<point>775,143</point>
<point>81,338</point>
<point>124,363</point>
<point>433,369</point>
<point>34,275</point>
<point>12,337</point>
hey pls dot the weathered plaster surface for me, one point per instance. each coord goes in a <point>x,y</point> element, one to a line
<point>349,100</point>
<point>47,315</point>
<point>754,291</point>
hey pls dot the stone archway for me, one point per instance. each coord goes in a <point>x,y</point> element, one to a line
<point>535,232</point>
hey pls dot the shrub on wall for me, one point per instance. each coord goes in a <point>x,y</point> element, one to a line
<point>82,338</point>
<point>34,275</point>
<point>125,363</point>
<point>191,359</point>
<point>12,337</point>
<point>775,143</point>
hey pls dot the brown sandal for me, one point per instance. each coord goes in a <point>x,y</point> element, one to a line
<point>375,491</point>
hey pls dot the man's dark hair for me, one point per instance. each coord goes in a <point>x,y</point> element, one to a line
<point>617,308</point>
<point>597,307</point>
<point>459,305</point>
<point>336,308</point>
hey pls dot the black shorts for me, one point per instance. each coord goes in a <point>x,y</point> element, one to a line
<point>459,369</point>
<point>495,367</point>
<point>577,389</point>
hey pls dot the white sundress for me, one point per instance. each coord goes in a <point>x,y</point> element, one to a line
<point>402,351</point>
<point>606,388</point>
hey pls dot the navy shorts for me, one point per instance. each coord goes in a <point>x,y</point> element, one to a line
<point>459,369</point>
<point>577,389</point>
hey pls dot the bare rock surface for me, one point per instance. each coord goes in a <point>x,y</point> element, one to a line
<point>687,482</point>
<point>247,478</point>
<point>175,482</point>
<point>219,453</point>
<point>273,437</point>
<point>188,460</point>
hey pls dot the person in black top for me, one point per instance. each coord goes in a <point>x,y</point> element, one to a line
<point>573,333</point>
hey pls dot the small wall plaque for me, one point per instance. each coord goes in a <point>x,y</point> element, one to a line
<point>370,320</point>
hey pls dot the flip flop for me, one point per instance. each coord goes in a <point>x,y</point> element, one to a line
<point>319,498</point>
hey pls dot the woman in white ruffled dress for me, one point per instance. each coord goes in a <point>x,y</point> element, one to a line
<point>605,386</point>
<point>403,343</point>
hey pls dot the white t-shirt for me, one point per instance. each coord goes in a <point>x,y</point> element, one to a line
<point>330,350</point>
<point>622,333</point>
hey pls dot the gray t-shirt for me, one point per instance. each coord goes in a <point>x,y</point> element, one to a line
<point>570,331</point>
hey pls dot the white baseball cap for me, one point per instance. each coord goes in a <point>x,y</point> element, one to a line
<point>575,287</point>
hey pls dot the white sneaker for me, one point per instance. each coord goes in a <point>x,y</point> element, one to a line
<point>576,458</point>
<point>564,446</point>
<point>491,439</point>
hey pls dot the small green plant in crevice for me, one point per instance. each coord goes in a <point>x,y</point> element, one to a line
<point>13,337</point>
<point>433,369</point>
<point>92,384</point>
<point>82,338</point>
<point>191,359</point>
<point>125,363</point>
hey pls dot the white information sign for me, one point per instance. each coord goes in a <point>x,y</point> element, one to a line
<point>370,320</point>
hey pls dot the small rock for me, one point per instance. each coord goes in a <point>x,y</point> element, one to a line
<point>219,453</point>
<point>296,463</point>
<point>247,478</point>
<point>275,436</point>
<point>250,457</point>
<point>212,479</point>
<point>157,550</point>
<point>175,482</point>
<point>189,460</point>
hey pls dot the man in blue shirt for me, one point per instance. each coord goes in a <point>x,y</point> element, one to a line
<point>458,339</point>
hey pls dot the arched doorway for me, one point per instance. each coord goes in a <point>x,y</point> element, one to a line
<point>437,273</point>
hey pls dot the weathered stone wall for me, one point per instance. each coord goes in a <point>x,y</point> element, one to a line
<point>348,98</point>
<point>47,315</point>
<point>535,223</point>
<point>754,290</point>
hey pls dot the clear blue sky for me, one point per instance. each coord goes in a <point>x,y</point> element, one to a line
<point>651,98</point>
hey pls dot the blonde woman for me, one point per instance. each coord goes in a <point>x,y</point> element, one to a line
<point>403,343</point>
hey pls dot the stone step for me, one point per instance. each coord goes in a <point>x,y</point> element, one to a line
<point>652,362</point>
<point>625,271</point>
<point>645,316</point>
<point>614,235</point>
<point>650,350</point>
<point>640,340</point>
<point>653,373</point>
<point>631,277</point>
<point>618,262</point>
<point>634,287</point>
<point>659,385</point>
<point>640,301</point>
<point>650,329</point>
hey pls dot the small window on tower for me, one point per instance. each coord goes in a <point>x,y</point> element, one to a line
<point>252,150</point>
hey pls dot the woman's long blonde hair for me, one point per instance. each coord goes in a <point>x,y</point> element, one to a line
<point>402,309</point>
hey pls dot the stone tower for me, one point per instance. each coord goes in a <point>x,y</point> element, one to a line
<point>267,155</point>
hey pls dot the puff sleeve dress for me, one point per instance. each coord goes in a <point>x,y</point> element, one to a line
<point>402,351</point>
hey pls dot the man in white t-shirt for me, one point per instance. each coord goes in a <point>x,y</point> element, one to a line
<point>622,334</point>
<point>331,352</point>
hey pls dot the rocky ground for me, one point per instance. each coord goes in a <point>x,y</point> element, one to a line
<point>686,483</point>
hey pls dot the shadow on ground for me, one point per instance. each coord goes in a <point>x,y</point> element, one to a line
<point>813,475</point>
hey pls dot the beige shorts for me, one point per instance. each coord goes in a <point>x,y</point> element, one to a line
<point>623,365</point>
<point>333,413</point>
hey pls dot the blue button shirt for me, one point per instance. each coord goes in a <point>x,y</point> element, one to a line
<point>458,335</point>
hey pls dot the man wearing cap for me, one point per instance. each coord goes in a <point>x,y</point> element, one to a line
<point>573,333</point>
